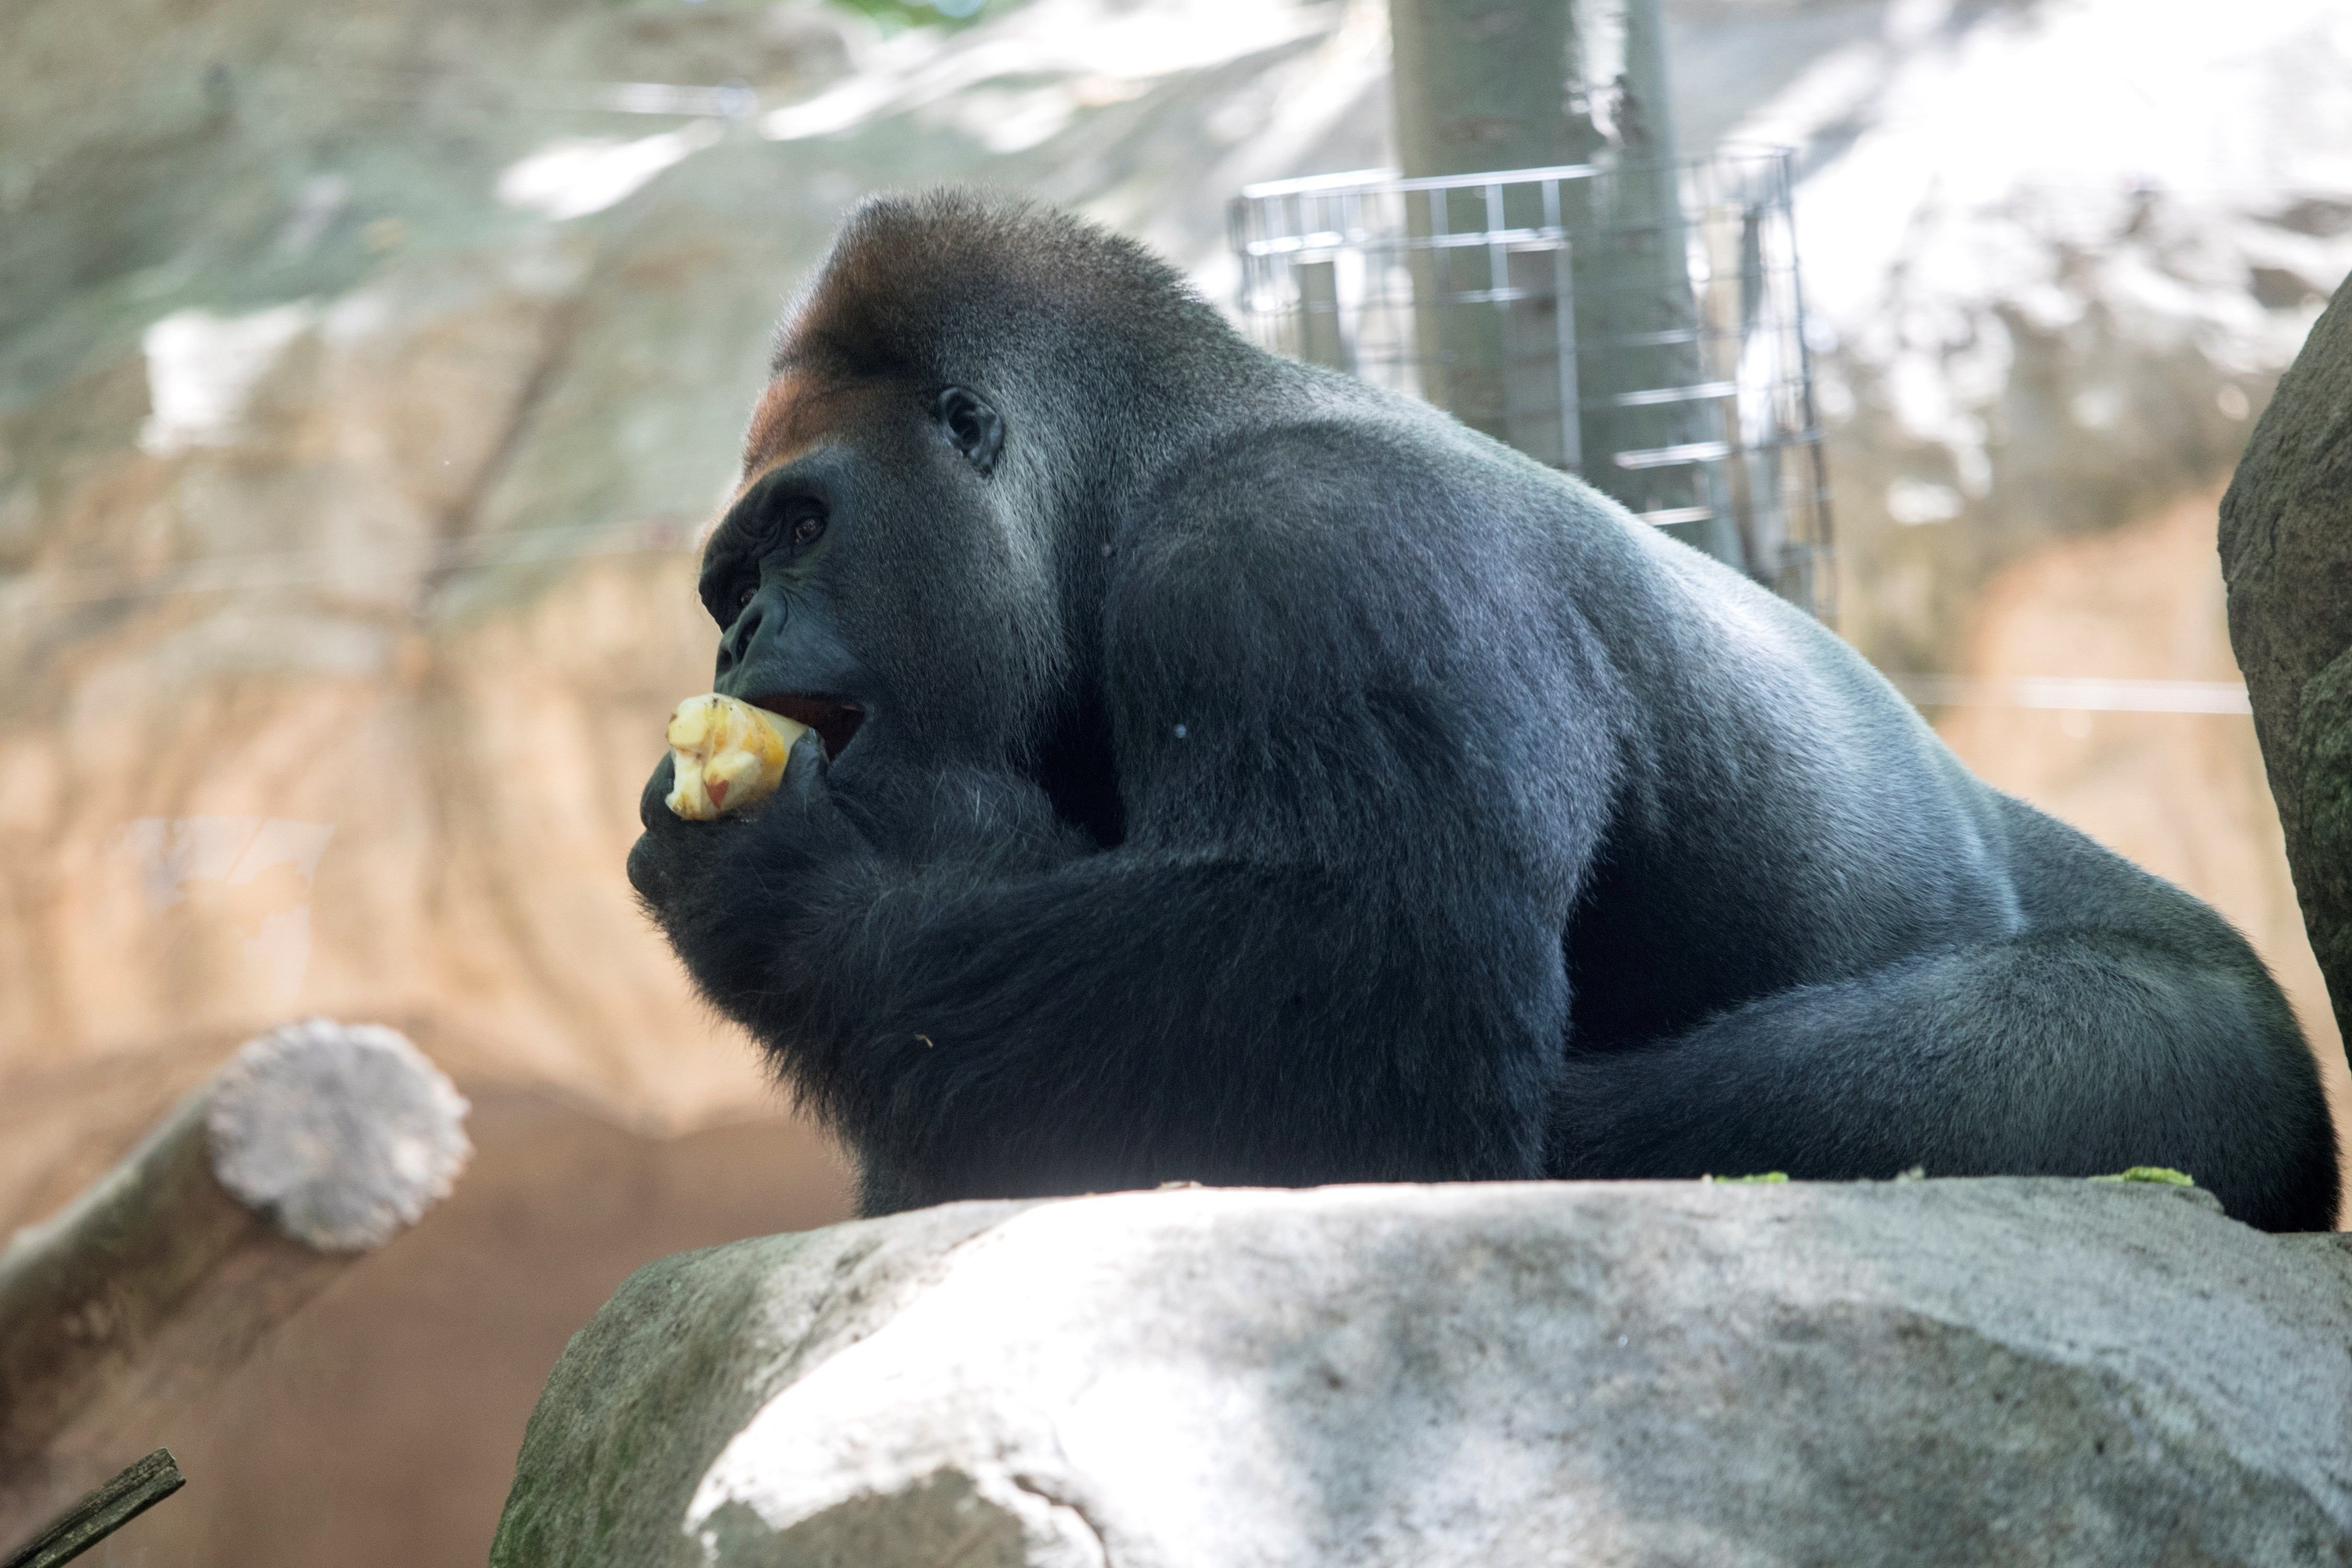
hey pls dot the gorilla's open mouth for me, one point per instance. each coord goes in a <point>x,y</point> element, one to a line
<point>834,721</point>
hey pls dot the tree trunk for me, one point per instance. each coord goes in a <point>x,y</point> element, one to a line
<point>2287,556</point>
<point>1485,84</point>
<point>1490,85</point>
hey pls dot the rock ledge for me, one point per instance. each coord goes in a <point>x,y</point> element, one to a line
<point>1930,1372</point>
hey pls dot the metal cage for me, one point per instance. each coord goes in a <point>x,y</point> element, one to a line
<point>1639,325</point>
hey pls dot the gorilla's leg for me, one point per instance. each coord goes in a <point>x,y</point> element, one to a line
<point>2060,1053</point>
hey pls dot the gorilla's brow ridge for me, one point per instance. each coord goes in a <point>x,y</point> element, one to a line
<point>785,422</point>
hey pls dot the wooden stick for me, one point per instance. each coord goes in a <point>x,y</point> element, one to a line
<point>317,1142</point>
<point>104,1512</point>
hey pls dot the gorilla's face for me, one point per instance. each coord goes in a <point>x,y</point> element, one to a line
<point>869,581</point>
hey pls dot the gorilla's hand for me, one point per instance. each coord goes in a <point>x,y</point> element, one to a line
<point>729,891</point>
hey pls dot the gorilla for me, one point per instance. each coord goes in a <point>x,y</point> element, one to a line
<point>1224,770</point>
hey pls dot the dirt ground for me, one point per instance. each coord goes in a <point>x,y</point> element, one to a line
<point>379,1428</point>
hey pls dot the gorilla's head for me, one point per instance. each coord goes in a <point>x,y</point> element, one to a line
<point>963,399</point>
<point>869,571</point>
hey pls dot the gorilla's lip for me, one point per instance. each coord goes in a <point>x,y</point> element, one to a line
<point>834,720</point>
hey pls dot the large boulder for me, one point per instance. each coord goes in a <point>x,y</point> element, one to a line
<point>2287,553</point>
<point>1945,1372</point>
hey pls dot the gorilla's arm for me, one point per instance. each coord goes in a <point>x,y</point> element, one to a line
<point>2066,1052</point>
<point>2125,1024</point>
<point>1328,950</point>
<point>1125,1017</point>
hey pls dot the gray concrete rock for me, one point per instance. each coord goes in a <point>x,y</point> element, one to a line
<point>2287,553</point>
<point>1930,1372</point>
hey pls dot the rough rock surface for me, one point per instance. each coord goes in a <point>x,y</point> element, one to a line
<point>365,373</point>
<point>364,380</point>
<point>1931,1372</point>
<point>2055,320</point>
<point>2286,552</point>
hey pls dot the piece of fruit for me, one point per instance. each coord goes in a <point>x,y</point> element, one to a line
<point>726,754</point>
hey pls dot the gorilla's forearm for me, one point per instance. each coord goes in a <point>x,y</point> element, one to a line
<point>1130,1018</point>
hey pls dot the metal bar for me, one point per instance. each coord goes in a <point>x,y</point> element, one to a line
<point>1650,396</point>
<point>1571,425</point>
<point>1737,363</point>
<point>1671,336</point>
<point>1669,456</point>
<point>2072,694</point>
<point>1762,158</point>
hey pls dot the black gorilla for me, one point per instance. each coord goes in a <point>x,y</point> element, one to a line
<point>1232,772</point>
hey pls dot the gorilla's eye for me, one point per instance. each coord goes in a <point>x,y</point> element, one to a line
<point>806,530</point>
<point>744,595</point>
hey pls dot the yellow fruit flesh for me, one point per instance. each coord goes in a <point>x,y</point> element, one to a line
<point>726,754</point>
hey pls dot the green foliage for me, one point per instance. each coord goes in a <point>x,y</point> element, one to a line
<point>2163,1176</point>
<point>896,14</point>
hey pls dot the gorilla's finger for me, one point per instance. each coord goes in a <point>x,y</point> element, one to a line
<point>653,806</point>
<point>644,870</point>
<point>805,768</point>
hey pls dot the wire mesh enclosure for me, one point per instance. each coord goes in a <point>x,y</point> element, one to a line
<point>1638,325</point>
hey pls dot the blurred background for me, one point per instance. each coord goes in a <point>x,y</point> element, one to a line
<point>368,371</point>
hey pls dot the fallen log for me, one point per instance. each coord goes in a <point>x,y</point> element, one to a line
<point>317,1142</point>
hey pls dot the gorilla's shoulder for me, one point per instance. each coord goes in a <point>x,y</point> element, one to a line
<point>1358,543</point>
<point>1349,462</point>
<point>1360,513</point>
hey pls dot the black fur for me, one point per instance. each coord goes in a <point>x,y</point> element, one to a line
<point>1264,779</point>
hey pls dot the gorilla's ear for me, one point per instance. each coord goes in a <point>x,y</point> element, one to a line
<point>971,425</point>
